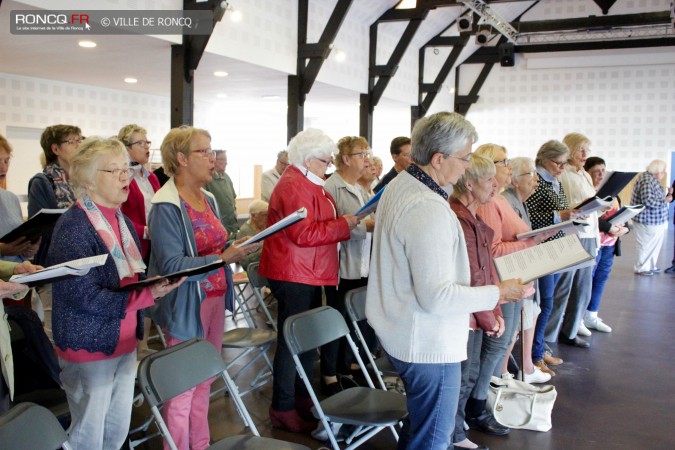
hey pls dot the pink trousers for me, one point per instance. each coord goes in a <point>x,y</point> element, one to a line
<point>186,415</point>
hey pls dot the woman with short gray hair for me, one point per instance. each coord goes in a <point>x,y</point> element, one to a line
<point>419,295</point>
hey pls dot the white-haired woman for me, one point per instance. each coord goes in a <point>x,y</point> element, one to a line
<point>299,260</point>
<point>97,325</point>
<point>419,291</point>
<point>254,225</point>
<point>651,224</point>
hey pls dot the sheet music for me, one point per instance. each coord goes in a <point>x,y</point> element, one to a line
<point>543,259</point>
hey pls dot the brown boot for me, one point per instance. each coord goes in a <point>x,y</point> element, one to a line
<point>551,360</point>
<point>544,368</point>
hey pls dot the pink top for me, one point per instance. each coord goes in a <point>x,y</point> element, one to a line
<point>506,224</point>
<point>210,237</point>
<point>137,300</point>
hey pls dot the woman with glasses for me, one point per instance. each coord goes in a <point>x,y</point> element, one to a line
<point>142,188</point>
<point>573,289</point>
<point>352,162</point>
<point>143,185</point>
<point>298,261</point>
<point>50,189</point>
<point>187,233</point>
<point>96,324</point>
<point>420,291</point>
<point>548,205</point>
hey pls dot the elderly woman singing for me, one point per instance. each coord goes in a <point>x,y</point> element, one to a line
<point>419,291</point>
<point>97,325</point>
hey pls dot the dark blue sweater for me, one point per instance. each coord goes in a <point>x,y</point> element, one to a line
<point>87,310</point>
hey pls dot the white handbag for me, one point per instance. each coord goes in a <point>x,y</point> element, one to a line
<point>516,404</point>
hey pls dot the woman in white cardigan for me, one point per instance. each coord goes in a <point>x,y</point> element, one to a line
<point>419,295</point>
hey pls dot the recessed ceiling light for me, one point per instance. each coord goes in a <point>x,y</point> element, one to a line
<point>236,15</point>
<point>271,97</point>
<point>87,44</point>
<point>220,73</point>
<point>222,95</point>
<point>130,80</point>
<point>340,56</point>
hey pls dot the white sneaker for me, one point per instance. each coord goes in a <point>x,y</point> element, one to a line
<point>583,331</point>
<point>507,376</point>
<point>536,377</point>
<point>597,324</point>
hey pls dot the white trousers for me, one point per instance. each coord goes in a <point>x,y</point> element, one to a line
<point>649,239</point>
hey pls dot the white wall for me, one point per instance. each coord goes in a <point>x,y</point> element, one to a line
<point>628,112</point>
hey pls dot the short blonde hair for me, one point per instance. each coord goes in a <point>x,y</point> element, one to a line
<point>127,131</point>
<point>573,141</point>
<point>178,141</point>
<point>656,166</point>
<point>481,167</point>
<point>84,164</point>
<point>489,150</point>
<point>4,145</point>
<point>346,146</point>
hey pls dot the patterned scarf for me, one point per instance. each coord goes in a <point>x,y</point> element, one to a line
<point>426,180</point>
<point>127,258</point>
<point>64,193</point>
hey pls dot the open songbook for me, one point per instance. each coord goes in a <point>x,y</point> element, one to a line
<point>43,221</point>
<point>370,206</point>
<point>568,226</point>
<point>68,269</point>
<point>624,214</point>
<point>614,183</point>
<point>278,226</point>
<point>176,275</point>
<point>543,259</point>
<point>594,204</point>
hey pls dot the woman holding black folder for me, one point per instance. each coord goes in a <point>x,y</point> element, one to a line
<point>187,233</point>
<point>97,325</point>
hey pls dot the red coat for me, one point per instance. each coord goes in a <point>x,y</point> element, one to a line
<point>305,252</point>
<point>134,209</point>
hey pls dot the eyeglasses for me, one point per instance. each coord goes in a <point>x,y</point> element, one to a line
<point>531,174</point>
<point>505,162</point>
<point>77,141</point>
<point>363,155</point>
<point>118,172</point>
<point>327,162</point>
<point>561,165</point>
<point>466,159</point>
<point>142,143</point>
<point>205,152</point>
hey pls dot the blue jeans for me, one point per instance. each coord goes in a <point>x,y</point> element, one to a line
<point>546,290</point>
<point>432,392</point>
<point>603,266</point>
<point>100,394</point>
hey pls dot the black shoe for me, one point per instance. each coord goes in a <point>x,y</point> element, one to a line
<point>670,269</point>
<point>487,424</point>
<point>576,342</point>
<point>329,389</point>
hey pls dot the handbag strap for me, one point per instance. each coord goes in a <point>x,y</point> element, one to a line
<point>527,422</point>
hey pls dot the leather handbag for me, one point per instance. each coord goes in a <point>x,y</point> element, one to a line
<point>516,404</point>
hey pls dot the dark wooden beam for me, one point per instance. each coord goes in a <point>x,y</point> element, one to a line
<point>593,22</point>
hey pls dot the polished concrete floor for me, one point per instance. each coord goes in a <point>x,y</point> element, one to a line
<point>619,394</point>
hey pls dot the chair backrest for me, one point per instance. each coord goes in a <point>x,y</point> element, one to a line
<point>355,302</point>
<point>28,426</point>
<point>254,277</point>
<point>314,328</point>
<point>165,374</point>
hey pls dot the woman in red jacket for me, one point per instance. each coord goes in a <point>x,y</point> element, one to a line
<point>299,260</point>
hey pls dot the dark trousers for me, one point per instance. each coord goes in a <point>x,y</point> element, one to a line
<point>337,357</point>
<point>293,298</point>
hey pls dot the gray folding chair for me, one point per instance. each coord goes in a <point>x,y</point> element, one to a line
<point>165,374</point>
<point>355,302</point>
<point>370,410</point>
<point>28,426</point>
<point>258,282</point>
